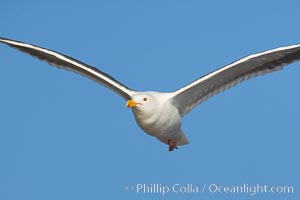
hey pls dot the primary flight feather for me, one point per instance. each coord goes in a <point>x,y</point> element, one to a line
<point>159,114</point>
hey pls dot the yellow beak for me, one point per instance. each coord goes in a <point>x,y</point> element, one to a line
<point>131,103</point>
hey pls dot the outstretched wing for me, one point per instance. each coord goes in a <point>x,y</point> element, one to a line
<point>68,63</point>
<point>191,95</point>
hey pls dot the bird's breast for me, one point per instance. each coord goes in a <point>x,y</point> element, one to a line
<point>160,122</point>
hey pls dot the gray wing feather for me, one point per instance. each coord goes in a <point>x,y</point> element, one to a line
<point>191,95</point>
<point>71,64</point>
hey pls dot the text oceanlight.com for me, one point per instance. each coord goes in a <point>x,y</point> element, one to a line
<point>176,188</point>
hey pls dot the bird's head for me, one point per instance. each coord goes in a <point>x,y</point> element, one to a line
<point>144,102</point>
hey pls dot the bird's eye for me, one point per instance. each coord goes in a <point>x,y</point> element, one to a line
<point>145,99</point>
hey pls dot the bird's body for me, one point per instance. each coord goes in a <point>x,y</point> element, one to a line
<point>161,119</point>
<point>159,114</point>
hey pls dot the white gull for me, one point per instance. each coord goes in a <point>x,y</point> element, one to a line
<point>159,114</point>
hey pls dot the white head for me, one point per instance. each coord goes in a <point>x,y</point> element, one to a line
<point>143,102</point>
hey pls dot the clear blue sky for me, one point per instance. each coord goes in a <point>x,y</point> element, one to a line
<point>65,137</point>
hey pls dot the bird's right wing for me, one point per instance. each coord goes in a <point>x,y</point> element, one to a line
<point>68,63</point>
<point>191,95</point>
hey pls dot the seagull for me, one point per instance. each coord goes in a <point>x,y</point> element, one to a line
<point>159,113</point>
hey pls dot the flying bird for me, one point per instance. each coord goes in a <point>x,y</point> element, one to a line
<point>159,114</point>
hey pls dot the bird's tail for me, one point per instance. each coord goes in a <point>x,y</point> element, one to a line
<point>182,139</point>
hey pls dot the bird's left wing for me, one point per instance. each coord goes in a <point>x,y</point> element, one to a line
<point>191,95</point>
<point>68,63</point>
